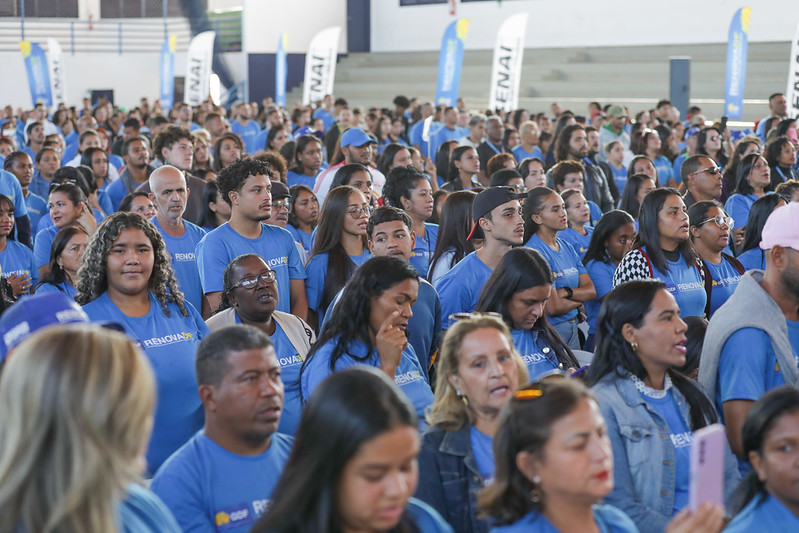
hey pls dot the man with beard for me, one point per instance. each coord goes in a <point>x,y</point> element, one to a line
<point>246,187</point>
<point>752,341</point>
<point>136,153</point>
<point>169,194</point>
<point>221,480</point>
<point>572,144</point>
<point>491,146</point>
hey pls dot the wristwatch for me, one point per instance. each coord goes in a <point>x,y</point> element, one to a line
<point>569,292</point>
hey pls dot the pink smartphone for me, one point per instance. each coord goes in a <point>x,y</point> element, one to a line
<point>707,467</point>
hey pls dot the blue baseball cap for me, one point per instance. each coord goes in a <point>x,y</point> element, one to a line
<point>38,311</point>
<point>355,137</point>
<point>690,132</point>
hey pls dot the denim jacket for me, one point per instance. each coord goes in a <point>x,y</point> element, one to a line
<point>644,461</point>
<point>449,478</point>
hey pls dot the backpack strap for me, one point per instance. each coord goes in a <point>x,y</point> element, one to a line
<point>298,332</point>
<point>648,262</point>
<point>735,263</point>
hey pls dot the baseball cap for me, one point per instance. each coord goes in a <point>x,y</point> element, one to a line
<point>355,137</point>
<point>279,190</point>
<point>690,132</point>
<point>33,313</point>
<point>488,200</point>
<point>782,228</point>
<point>616,111</point>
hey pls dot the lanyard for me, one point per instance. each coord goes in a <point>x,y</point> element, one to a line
<point>496,150</point>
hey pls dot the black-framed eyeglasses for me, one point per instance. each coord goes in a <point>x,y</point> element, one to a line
<point>712,171</point>
<point>721,221</point>
<point>285,203</point>
<point>252,282</point>
<point>356,212</point>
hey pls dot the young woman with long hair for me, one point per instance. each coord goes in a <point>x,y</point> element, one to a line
<point>636,188</point>
<point>754,181</point>
<point>751,256</point>
<point>340,247</point>
<point>464,164</point>
<point>710,143</point>
<point>16,260</point>
<point>227,150</point>
<point>303,216</point>
<point>66,255</point>
<point>518,290</point>
<point>309,160</point>
<point>126,277</point>
<point>455,224</point>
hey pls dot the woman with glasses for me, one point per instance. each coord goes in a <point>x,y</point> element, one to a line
<point>710,143</point>
<point>249,296</point>
<point>662,250</point>
<point>478,371</point>
<point>711,228</point>
<point>517,291</point>
<point>406,188</point>
<point>751,255</point>
<point>544,214</point>
<point>651,410</point>
<point>368,327</point>
<point>554,464</point>
<point>340,247</point>
<point>754,181</point>
<point>126,277</point>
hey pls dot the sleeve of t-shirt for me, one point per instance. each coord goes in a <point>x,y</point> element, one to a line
<point>315,281</point>
<point>41,249</point>
<point>197,319</point>
<point>296,267</point>
<point>179,485</point>
<point>211,262</point>
<point>20,209</point>
<point>602,282</point>
<point>736,207</point>
<point>742,366</point>
<point>105,202</point>
<point>453,298</point>
<point>318,368</point>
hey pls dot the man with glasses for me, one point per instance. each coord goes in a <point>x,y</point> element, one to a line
<point>169,194</point>
<point>702,178</point>
<point>281,207</point>
<point>246,187</point>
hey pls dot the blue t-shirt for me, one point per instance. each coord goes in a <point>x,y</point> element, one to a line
<point>410,377</point>
<point>664,169</point>
<point>424,249</point>
<point>601,274</point>
<point>578,241</point>
<point>681,438</point>
<point>9,186</point>
<point>424,327</point>
<point>181,252</point>
<point>619,177</point>
<point>536,353</point>
<point>442,135</point>
<point>275,245</point>
<point>316,270</point>
<point>115,193</point>
<point>37,208</point>
<point>764,514</point>
<point>677,166</point>
<point>17,259</point>
<point>596,214</point>
<point>305,239</point>
<point>459,289</point>
<point>290,364</point>
<point>209,488</point>
<point>293,178</point>
<point>521,154</point>
<point>483,451</point>
<point>725,280</point>
<point>39,186</point>
<point>47,222</point>
<point>170,343</point>
<point>42,245</point>
<point>753,258</point>
<point>684,282</point>
<point>608,518</point>
<point>738,207</point>
<point>64,287</point>
<point>143,512</point>
<point>566,269</point>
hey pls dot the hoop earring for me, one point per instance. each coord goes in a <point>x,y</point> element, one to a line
<point>535,492</point>
<point>463,398</point>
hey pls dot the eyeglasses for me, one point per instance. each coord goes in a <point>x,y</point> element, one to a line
<point>714,138</point>
<point>712,171</point>
<point>277,204</point>
<point>721,221</point>
<point>251,283</point>
<point>520,189</point>
<point>356,212</point>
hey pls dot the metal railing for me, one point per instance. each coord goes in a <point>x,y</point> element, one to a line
<point>115,35</point>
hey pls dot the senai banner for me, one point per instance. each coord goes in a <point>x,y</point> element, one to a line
<point>198,68</point>
<point>450,62</point>
<point>320,65</point>
<point>38,78</point>
<point>168,72</point>
<point>792,94</point>
<point>506,68</point>
<point>55,66</point>
<point>737,47</point>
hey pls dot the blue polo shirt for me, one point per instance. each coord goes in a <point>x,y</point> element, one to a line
<point>184,264</point>
<point>316,270</point>
<point>275,245</point>
<point>209,488</point>
<point>684,282</point>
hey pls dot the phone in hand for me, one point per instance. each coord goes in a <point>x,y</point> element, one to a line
<point>723,125</point>
<point>707,467</point>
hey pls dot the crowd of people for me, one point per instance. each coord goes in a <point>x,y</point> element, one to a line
<point>418,318</point>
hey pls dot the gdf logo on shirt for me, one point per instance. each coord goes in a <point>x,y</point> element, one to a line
<point>234,516</point>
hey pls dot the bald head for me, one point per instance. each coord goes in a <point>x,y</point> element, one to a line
<point>169,192</point>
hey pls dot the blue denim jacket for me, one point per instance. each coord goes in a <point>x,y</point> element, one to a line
<point>449,478</point>
<point>644,462</point>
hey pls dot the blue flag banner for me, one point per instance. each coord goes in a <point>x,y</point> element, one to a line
<point>737,47</point>
<point>281,68</point>
<point>38,76</point>
<point>168,72</point>
<point>450,62</point>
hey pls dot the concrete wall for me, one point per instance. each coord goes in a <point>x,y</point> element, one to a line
<point>266,20</point>
<point>556,24</point>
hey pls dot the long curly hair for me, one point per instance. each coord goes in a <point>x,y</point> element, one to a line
<point>93,276</point>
